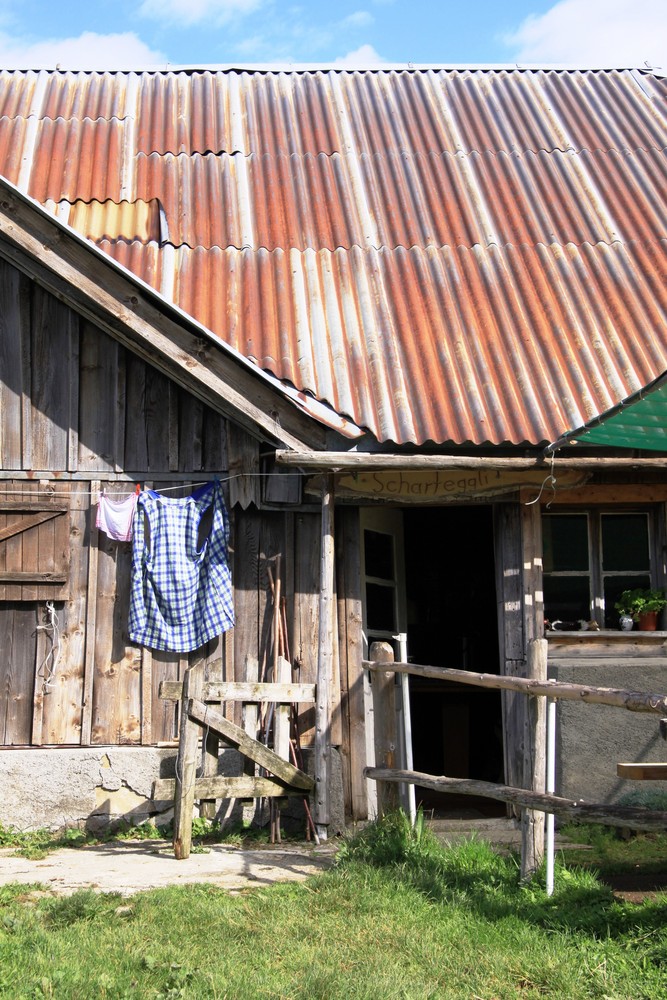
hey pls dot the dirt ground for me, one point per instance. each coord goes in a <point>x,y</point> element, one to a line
<point>127,867</point>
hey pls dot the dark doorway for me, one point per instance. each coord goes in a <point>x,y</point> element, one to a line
<point>452,622</point>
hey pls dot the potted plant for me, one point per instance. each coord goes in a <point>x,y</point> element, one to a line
<point>642,606</point>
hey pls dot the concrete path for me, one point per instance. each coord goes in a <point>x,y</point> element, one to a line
<point>127,867</point>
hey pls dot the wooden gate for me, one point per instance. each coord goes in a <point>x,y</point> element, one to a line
<point>202,718</point>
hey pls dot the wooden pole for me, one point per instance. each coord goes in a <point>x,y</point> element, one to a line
<point>324,661</point>
<point>633,701</point>
<point>534,760</point>
<point>383,690</point>
<point>186,762</point>
<point>632,817</point>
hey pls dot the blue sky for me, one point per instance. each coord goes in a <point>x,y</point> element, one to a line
<point>139,34</point>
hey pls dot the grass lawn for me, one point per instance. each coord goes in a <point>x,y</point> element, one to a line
<point>399,916</point>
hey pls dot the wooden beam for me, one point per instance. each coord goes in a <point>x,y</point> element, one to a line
<point>10,530</point>
<point>632,817</point>
<point>243,691</point>
<point>377,461</point>
<point>253,749</point>
<point>220,787</point>
<point>642,772</point>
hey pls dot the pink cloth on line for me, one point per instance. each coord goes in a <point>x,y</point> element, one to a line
<point>115,517</point>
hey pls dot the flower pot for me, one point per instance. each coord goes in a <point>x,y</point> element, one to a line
<point>648,621</point>
<point>626,623</point>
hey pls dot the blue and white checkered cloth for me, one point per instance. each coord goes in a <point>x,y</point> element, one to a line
<point>181,596</point>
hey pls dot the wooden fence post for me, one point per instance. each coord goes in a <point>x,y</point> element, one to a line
<point>186,762</point>
<point>383,689</point>
<point>534,760</point>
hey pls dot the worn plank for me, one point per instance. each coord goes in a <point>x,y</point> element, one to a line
<point>17,672</point>
<point>205,715</point>
<point>99,407</point>
<point>244,467</point>
<point>353,746</point>
<point>219,787</point>
<point>54,331</point>
<point>240,691</point>
<point>642,772</point>
<point>92,537</point>
<point>11,369</point>
<point>246,544</point>
<point>117,676</point>
<point>307,546</point>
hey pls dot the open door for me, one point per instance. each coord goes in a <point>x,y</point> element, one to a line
<point>428,574</point>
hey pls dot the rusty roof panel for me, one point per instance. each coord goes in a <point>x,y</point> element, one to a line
<point>448,255</point>
<point>97,221</point>
<point>520,341</point>
<point>77,160</point>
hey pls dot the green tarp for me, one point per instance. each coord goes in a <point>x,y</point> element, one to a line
<point>640,421</point>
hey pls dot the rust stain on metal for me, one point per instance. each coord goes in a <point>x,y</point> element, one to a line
<point>456,256</point>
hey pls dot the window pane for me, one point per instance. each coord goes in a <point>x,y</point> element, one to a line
<point>625,542</point>
<point>379,555</point>
<point>567,598</point>
<point>380,607</point>
<point>565,538</point>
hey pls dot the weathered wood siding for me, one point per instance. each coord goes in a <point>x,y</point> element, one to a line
<point>81,414</point>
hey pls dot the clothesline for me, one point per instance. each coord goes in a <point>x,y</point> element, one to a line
<point>121,493</point>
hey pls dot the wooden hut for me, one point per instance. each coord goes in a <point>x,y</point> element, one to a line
<point>367,323</point>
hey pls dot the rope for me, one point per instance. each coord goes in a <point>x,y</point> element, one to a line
<point>47,670</point>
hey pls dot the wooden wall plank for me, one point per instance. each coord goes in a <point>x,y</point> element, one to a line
<point>307,546</point>
<point>190,434</point>
<point>54,332</point>
<point>17,672</point>
<point>117,676</point>
<point>246,546</point>
<point>244,467</point>
<point>11,368</point>
<point>99,412</point>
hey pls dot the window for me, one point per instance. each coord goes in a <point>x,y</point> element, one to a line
<point>590,557</point>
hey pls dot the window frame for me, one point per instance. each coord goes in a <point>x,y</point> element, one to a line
<point>596,574</point>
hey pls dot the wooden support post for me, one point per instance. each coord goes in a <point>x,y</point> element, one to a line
<point>186,762</point>
<point>211,748</point>
<point>324,661</point>
<point>383,690</point>
<point>534,761</point>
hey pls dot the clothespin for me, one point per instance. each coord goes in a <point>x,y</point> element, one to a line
<point>138,489</point>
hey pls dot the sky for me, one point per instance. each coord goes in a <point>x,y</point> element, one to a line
<point>142,34</point>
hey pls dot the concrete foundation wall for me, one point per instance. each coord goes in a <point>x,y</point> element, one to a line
<point>592,739</point>
<point>96,787</point>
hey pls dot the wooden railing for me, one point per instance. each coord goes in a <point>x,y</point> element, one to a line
<point>533,799</point>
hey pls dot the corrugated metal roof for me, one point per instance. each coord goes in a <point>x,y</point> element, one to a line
<point>442,255</point>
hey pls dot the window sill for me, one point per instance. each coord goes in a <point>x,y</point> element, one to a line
<point>606,633</point>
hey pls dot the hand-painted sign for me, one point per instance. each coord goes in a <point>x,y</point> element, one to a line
<point>441,485</point>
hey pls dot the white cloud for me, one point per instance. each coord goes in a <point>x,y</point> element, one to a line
<point>362,58</point>
<point>88,51</point>
<point>360,19</point>
<point>603,33</point>
<point>188,12</point>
